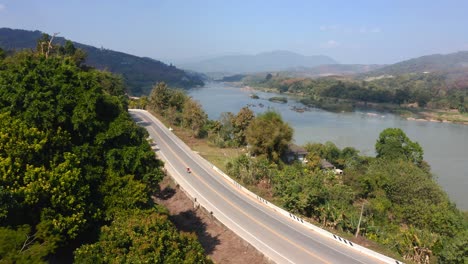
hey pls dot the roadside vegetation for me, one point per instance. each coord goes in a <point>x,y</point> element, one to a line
<point>76,173</point>
<point>415,93</point>
<point>391,199</point>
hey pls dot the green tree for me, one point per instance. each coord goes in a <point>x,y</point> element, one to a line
<point>454,249</point>
<point>269,135</point>
<point>159,97</point>
<point>177,99</point>
<point>249,171</point>
<point>194,117</point>
<point>55,188</point>
<point>240,122</point>
<point>223,130</point>
<point>401,95</point>
<point>142,236</point>
<point>20,246</point>
<point>394,144</point>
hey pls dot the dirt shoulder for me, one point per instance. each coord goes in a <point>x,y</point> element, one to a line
<point>220,243</point>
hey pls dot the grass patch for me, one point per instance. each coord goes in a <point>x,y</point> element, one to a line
<point>218,156</point>
<point>278,99</point>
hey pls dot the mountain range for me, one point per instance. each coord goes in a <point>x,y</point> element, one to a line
<point>262,62</point>
<point>454,66</point>
<point>139,73</point>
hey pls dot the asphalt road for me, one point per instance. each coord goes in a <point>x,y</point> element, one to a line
<point>278,237</point>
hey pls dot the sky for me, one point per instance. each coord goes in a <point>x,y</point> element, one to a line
<point>371,31</point>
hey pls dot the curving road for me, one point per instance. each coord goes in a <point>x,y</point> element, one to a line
<point>278,237</point>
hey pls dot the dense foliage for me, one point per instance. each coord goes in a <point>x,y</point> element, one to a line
<point>268,135</point>
<point>426,90</point>
<point>141,236</point>
<point>230,129</point>
<point>394,144</point>
<point>178,109</point>
<point>402,206</point>
<point>73,161</point>
<point>139,73</point>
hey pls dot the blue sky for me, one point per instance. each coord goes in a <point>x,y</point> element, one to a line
<point>354,31</point>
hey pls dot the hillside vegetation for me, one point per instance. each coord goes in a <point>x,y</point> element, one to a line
<point>452,62</point>
<point>139,73</point>
<point>429,90</point>
<point>76,173</point>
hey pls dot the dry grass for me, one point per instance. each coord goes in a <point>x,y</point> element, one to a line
<point>218,156</point>
<point>446,116</point>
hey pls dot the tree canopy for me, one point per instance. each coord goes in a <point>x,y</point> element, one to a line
<point>432,90</point>
<point>71,158</point>
<point>178,108</point>
<point>394,144</point>
<point>268,135</point>
<point>142,236</point>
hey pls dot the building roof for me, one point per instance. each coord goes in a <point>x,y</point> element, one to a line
<point>295,149</point>
<point>325,164</point>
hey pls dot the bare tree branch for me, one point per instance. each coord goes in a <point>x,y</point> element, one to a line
<point>50,47</point>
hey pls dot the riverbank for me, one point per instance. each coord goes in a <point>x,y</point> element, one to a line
<point>444,116</point>
<point>409,112</point>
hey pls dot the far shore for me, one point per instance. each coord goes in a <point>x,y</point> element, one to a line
<point>409,113</point>
<point>434,120</point>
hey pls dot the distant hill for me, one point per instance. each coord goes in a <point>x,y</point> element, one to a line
<point>445,63</point>
<point>331,69</point>
<point>139,73</point>
<point>262,62</point>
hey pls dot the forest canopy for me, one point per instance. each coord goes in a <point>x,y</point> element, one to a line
<point>73,164</point>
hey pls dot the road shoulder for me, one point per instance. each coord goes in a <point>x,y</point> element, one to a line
<point>220,243</point>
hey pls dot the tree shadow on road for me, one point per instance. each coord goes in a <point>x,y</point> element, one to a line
<point>188,221</point>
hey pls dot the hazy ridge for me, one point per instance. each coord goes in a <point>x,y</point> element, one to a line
<point>262,62</point>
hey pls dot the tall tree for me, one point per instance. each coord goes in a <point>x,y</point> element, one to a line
<point>194,117</point>
<point>159,97</point>
<point>240,123</point>
<point>269,135</point>
<point>394,144</point>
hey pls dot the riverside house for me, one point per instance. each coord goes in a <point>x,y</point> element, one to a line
<point>295,152</point>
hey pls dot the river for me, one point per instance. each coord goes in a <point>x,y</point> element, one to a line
<point>445,145</point>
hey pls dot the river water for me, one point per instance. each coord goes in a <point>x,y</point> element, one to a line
<point>445,145</point>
